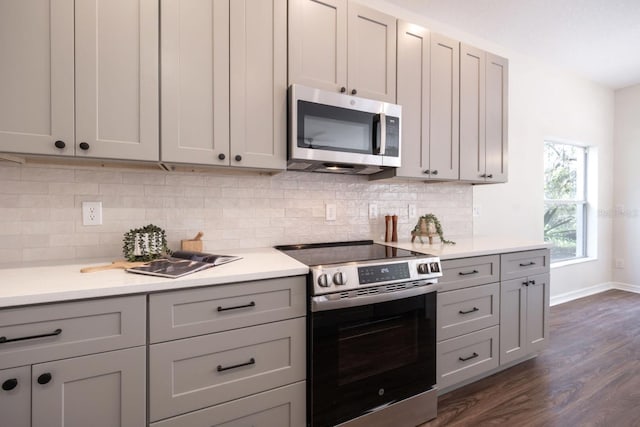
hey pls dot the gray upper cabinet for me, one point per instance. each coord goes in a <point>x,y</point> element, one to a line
<point>342,46</point>
<point>213,116</point>
<point>483,116</point>
<point>427,89</point>
<point>81,79</point>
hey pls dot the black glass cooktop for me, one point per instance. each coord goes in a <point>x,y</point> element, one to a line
<point>340,252</point>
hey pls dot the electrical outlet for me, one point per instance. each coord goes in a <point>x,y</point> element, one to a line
<point>619,263</point>
<point>373,211</point>
<point>91,213</point>
<point>330,212</point>
<point>412,211</point>
<point>476,211</point>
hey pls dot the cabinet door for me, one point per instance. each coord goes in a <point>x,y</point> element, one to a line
<point>195,81</point>
<point>496,108</point>
<point>413,94</point>
<point>101,390</point>
<point>537,312</point>
<point>318,43</point>
<point>36,77</point>
<point>371,51</point>
<point>472,113</point>
<point>117,111</point>
<point>444,109</point>
<point>513,315</point>
<point>258,33</point>
<point>15,397</point>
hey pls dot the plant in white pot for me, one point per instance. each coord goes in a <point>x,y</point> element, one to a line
<point>145,243</point>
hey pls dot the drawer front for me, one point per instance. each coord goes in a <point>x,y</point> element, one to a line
<point>194,373</point>
<point>527,263</point>
<point>57,331</point>
<point>465,357</point>
<point>282,407</point>
<point>467,310</point>
<point>15,397</point>
<point>175,315</point>
<point>465,272</point>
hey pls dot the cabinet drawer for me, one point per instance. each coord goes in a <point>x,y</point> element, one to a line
<point>57,331</point>
<point>465,357</point>
<point>174,315</point>
<point>468,310</point>
<point>521,264</point>
<point>194,373</point>
<point>282,407</point>
<point>465,272</point>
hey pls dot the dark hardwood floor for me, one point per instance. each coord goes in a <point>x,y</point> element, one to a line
<point>589,375</point>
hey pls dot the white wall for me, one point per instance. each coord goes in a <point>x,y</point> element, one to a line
<point>544,102</point>
<point>627,190</point>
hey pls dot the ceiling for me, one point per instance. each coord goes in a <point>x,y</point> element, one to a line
<point>599,39</point>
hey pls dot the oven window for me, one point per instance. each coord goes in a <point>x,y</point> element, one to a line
<point>334,128</point>
<point>369,349</point>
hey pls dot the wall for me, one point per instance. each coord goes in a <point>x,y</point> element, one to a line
<point>41,220</point>
<point>627,192</point>
<point>544,102</point>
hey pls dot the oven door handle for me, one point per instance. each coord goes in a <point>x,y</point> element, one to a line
<point>324,303</point>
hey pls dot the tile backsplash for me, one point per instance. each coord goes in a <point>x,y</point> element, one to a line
<point>41,216</point>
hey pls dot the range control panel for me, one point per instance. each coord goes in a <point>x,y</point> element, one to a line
<point>349,276</point>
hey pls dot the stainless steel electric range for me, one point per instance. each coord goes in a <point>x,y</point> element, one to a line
<point>371,334</point>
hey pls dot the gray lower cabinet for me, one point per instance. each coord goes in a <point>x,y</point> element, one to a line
<point>100,390</point>
<point>229,355</point>
<point>524,317</point>
<point>74,364</point>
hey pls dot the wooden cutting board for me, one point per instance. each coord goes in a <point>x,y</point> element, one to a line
<point>113,265</point>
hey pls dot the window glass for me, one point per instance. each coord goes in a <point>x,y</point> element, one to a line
<point>565,186</point>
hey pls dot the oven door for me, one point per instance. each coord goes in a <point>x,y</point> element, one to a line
<point>365,358</point>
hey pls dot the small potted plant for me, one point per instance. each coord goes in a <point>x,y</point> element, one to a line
<point>145,244</point>
<point>429,225</point>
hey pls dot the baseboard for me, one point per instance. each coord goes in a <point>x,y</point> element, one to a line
<point>581,293</point>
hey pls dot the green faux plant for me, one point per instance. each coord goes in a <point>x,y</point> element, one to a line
<point>145,243</point>
<point>423,224</point>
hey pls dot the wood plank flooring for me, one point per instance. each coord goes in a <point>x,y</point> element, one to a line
<point>589,375</point>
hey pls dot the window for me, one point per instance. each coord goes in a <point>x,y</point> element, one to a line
<point>565,200</point>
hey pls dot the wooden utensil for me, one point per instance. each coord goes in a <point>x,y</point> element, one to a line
<point>113,265</point>
<point>194,245</point>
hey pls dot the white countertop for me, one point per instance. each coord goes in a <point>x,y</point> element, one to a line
<point>42,284</point>
<point>467,247</point>
<point>34,285</point>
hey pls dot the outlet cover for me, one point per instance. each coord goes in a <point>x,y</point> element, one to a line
<point>412,211</point>
<point>373,211</point>
<point>330,212</point>
<point>91,213</point>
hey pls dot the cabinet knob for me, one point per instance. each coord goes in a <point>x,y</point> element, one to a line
<point>44,378</point>
<point>427,171</point>
<point>221,156</point>
<point>343,89</point>
<point>9,384</point>
<point>490,175</point>
<point>60,144</point>
<point>238,157</point>
<point>434,172</point>
<point>484,175</point>
<point>84,146</point>
<point>354,92</point>
<point>526,283</point>
<point>532,282</point>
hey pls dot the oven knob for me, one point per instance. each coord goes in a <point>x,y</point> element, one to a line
<point>339,279</point>
<point>423,269</point>
<point>323,280</point>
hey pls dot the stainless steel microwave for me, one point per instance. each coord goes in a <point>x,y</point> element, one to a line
<point>334,132</point>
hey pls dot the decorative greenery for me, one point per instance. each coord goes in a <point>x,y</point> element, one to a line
<point>145,244</point>
<point>430,218</point>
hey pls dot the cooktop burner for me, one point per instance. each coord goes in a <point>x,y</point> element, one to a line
<point>313,254</point>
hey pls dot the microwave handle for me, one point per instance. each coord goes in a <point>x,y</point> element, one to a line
<point>381,145</point>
